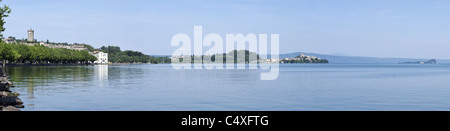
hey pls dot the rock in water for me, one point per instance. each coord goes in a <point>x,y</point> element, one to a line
<point>4,86</point>
<point>10,108</point>
<point>8,100</point>
<point>4,94</point>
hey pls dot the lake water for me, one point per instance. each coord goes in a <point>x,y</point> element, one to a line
<point>299,87</point>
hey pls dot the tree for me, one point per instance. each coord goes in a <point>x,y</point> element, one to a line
<point>116,55</point>
<point>4,12</point>
<point>8,52</point>
<point>89,47</point>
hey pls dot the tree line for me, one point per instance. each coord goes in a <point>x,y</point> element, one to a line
<point>230,57</point>
<point>37,54</point>
<point>116,55</point>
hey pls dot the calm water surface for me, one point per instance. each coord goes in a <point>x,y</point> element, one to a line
<point>299,87</point>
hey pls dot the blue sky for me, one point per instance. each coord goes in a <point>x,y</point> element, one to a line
<point>380,28</point>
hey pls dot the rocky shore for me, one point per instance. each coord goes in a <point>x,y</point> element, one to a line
<point>9,100</point>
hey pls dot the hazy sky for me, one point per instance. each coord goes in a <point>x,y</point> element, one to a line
<point>381,28</point>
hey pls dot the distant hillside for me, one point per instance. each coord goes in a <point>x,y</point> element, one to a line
<point>357,59</point>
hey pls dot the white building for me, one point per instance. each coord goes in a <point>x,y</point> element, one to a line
<point>102,58</point>
<point>301,55</point>
<point>9,40</point>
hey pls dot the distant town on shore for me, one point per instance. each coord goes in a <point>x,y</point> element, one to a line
<point>302,58</point>
<point>248,57</point>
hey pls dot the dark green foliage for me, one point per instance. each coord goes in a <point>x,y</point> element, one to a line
<point>89,47</point>
<point>8,52</point>
<point>115,55</point>
<point>4,12</point>
<point>230,57</point>
<point>19,53</point>
<point>110,49</point>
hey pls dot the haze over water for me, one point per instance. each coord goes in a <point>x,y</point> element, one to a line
<point>299,87</point>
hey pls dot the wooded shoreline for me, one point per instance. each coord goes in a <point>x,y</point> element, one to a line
<point>27,64</point>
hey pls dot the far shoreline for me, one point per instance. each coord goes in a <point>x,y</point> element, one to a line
<point>111,64</point>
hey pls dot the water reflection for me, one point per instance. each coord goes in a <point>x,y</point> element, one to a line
<point>35,81</point>
<point>125,76</point>
<point>299,87</point>
<point>30,91</point>
<point>101,73</point>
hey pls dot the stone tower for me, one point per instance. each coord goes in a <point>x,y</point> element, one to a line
<point>31,35</point>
